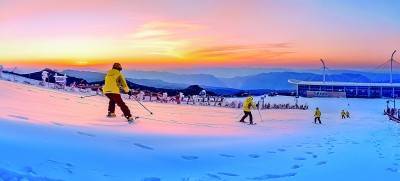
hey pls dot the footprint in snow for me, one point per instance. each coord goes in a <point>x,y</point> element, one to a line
<point>86,134</point>
<point>273,176</point>
<point>61,163</point>
<point>28,170</point>
<point>281,150</point>
<point>295,166</point>
<point>228,174</point>
<point>392,169</point>
<point>18,117</point>
<point>300,158</point>
<point>189,157</point>
<point>227,155</point>
<point>321,163</point>
<point>143,146</point>
<point>213,176</point>
<point>67,167</point>
<point>58,124</point>
<point>151,179</point>
<point>254,156</point>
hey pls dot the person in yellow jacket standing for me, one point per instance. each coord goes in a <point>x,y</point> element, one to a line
<point>343,114</point>
<point>247,105</point>
<point>317,116</point>
<point>112,83</point>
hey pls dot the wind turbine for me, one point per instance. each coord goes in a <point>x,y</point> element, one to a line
<point>391,77</point>
<point>391,67</point>
<point>324,71</point>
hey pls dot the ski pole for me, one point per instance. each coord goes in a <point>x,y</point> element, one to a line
<point>144,107</point>
<point>259,113</point>
<point>89,96</point>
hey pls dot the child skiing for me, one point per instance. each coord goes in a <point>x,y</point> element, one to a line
<point>247,105</point>
<point>317,116</point>
<point>347,114</point>
<point>112,83</point>
<point>343,114</point>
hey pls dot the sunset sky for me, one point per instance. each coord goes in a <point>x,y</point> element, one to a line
<point>193,33</point>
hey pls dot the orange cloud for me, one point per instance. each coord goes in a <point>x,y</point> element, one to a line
<point>233,52</point>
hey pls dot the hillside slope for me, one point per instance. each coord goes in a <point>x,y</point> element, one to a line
<point>50,135</point>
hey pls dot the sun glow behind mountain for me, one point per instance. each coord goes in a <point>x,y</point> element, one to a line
<point>193,33</point>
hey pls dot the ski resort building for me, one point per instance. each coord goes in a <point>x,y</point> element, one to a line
<point>348,89</point>
<point>345,89</point>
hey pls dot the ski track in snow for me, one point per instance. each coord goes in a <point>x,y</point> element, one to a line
<point>8,175</point>
<point>85,134</point>
<point>254,156</point>
<point>273,176</point>
<point>227,155</point>
<point>228,174</point>
<point>58,124</point>
<point>143,146</point>
<point>213,176</point>
<point>189,157</point>
<point>19,117</point>
<point>151,179</point>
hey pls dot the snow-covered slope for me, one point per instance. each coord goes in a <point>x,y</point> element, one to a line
<point>50,135</point>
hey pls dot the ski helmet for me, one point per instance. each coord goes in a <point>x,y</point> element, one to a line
<point>117,66</point>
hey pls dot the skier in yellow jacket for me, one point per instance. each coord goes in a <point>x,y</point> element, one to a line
<point>343,114</point>
<point>317,116</point>
<point>247,105</point>
<point>112,83</point>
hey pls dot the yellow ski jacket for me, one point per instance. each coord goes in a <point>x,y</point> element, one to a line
<point>248,103</point>
<point>113,81</point>
<point>317,113</point>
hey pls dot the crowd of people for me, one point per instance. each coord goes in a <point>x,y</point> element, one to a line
<point>345,114</point>
<point>392,112</point>
<point>204,100</point>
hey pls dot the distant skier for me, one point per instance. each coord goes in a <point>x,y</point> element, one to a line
<point>45,76</point>
<point>317,116</point>
<point>113,81</point>
<point>343,114</point>
<point>247,105</point>
<point>347,114</point>
<point>178,98</point>
<point>165,97</point>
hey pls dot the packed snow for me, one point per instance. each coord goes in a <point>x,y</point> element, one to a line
<point>56,135</point>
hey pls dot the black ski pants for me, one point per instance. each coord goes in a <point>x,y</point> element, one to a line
<point>317,119</point>
<point>116,99</point>
<point>247,113</point>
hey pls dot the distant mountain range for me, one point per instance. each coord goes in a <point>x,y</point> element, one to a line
<point>96,78</point>
<point>255,84</point>
<point>262,81</point>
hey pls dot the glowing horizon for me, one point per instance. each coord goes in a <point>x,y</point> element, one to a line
<point>176,33</point>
